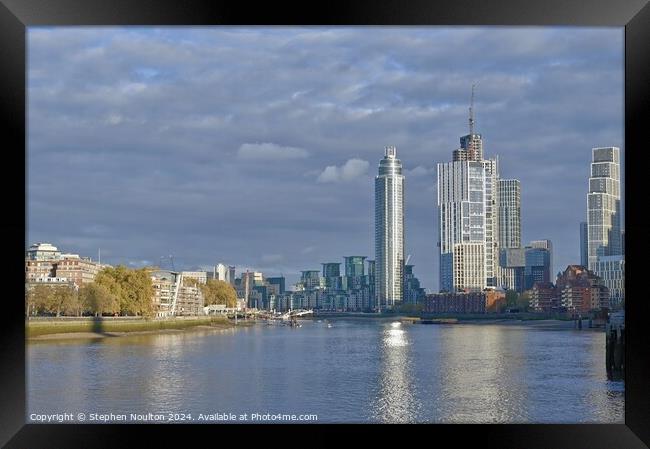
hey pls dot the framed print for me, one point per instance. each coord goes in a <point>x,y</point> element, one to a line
<point>315,221</point>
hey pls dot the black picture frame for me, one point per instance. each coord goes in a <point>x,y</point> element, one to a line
<point>16,15</point>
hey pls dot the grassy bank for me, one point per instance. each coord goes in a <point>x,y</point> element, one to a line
<point>100,326</point>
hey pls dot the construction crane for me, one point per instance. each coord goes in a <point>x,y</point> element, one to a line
<point>407,259</point>
<point>471,111</point>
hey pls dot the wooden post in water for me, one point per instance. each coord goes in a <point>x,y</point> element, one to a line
<point>615,346</point>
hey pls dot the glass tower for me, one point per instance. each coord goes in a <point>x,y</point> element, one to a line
<point>389,231</point>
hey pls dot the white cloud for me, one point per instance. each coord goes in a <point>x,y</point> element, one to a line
<point>352,169</point>
<point>267,151</point>
<point>419,171</point>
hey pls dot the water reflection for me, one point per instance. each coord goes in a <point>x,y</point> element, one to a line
<point>355,371</point>
<point>396,401</point>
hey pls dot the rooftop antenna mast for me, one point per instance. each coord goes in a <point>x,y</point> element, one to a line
<point>471,111</point>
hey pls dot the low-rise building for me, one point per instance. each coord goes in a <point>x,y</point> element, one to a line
<point>495,300</point>
<point>544,297</point>
<point>581,290</point>
<point>611,269</point>
<point>469,302</point>
<point>44,260</point>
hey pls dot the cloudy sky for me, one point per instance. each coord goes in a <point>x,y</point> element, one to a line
<point>258,146</point>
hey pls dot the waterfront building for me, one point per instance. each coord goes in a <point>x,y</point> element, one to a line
<point>509,226</point>
<point>38,269</point>
<point>354,273</point>
<point>309,280</point>
<point>43,251</point>
<point>611,270</point>
<point>469,266</point>
<point>538,266</point>
<point>332,275</point>
<point>164,287</point>
<point>276,285</point>
<point>512,263</point>
<point>372,270</point>
<point>583,245</point>
<point>43,260</point>
<point>471,302</point>
<point>603,205</point>
<point>189,299</point>
<point>468,214</point>
<point>389,231</point>
<point>413,293</point>
<point>200,276</point>
<point>79,270</point>
<point>544,297</point>
<point>581,290</point>
<point>495,300</point>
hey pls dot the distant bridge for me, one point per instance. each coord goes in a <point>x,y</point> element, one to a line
<point>296,313</point>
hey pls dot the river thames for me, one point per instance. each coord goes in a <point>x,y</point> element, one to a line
<point>341,370</point>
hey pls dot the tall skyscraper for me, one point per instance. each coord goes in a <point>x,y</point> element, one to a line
<point>467,215</point>
<point>604,205</point>
<point>220,272</point>
<point>389,231</point>
<point>230,275</point>
<point>509,213</point>
<point>583,244</point>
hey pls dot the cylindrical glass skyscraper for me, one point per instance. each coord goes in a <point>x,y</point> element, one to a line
<point>389,231</point>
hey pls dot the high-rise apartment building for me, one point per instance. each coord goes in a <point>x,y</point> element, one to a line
<point>603,205</point>
<point>468,214</point>
<point>509,195</point>
<point>354,272</point>
<point>332,275</point>
<point>389,231</point>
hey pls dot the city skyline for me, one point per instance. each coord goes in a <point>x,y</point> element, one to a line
<point>199,181</point>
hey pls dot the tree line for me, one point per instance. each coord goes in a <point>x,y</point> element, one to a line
<point>115,291</point>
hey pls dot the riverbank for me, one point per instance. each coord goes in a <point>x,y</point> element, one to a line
<point>459,317</point>
<point>43,329</point>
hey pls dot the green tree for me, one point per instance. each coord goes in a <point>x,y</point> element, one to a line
<point>140,292</point>
<point>410,308</point>
<point>38,299</point>
<point>64,300</point>
<point>219,292</point>
<point>97,299</point>
<point>511,298</point>
<point>132,288</point>
<point>523,301</point>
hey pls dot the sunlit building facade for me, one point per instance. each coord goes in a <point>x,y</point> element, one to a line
<point>389,231</point>
<point>603,205</point>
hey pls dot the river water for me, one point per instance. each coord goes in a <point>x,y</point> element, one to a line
<point>341,370</point>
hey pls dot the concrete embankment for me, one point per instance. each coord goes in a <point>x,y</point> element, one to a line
<point>113,327</point>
